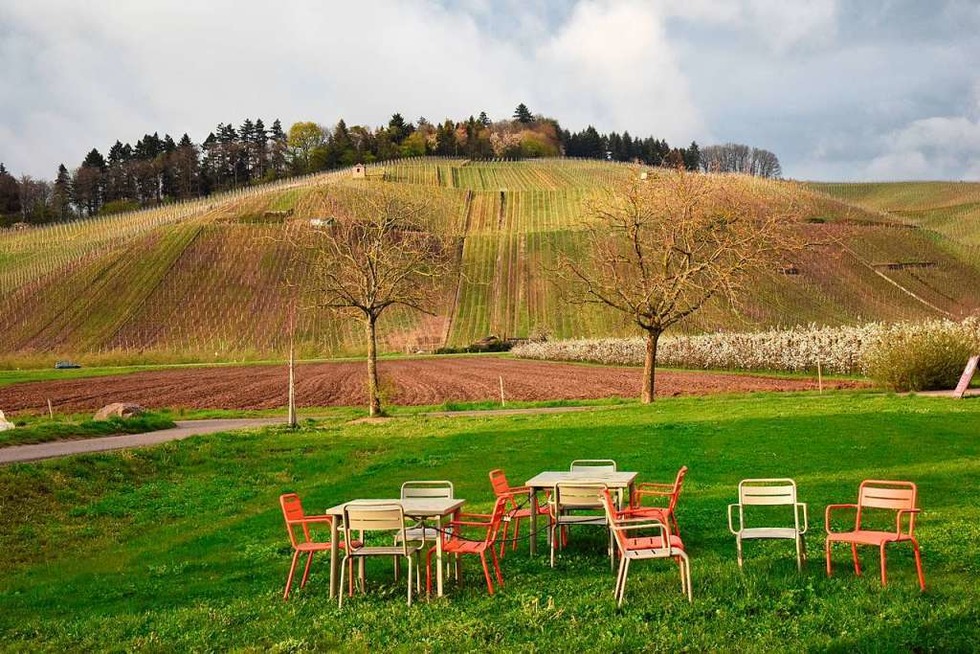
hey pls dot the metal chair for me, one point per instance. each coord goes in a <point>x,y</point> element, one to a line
<point>593,465</point>
<point>420,532</point>
<point>567,505</point>
<point>303,541</point>
<point>769,493</point>
<point>367,518</point>
<point>456,543</point>
<point>658,490</point>
<point>878,497</point>
<point>660,543</point>
<point>515,512</point>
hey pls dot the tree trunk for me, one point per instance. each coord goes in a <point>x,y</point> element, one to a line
<point>374,396</point>
<point>650,366</point>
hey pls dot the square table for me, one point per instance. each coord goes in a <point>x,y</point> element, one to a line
<point>547,480</point>
<point>418,508</point>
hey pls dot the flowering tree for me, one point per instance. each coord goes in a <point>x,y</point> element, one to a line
<point>659,247</point>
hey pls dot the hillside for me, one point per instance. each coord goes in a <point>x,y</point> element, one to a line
<point>205,280</point>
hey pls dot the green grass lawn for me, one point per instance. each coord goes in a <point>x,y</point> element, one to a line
<point>34,429</point>
<point>182,546</point>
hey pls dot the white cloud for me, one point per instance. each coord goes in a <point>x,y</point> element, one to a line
<point>612,65</point>
<point>930,148</point>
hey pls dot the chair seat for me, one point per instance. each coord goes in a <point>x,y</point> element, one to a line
<point>384,550</point>
<point>464,546</point>
<point>867,537</point>
<point>582,520</point>
<point>768,532</point>
<point>652,542</point>
<point>418,534</point>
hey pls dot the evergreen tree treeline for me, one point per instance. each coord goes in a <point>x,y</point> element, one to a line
<point>156,170</point>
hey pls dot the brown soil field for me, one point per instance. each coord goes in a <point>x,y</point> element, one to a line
<point>404,382</point>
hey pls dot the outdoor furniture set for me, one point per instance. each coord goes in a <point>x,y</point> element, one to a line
<point>427,519</point>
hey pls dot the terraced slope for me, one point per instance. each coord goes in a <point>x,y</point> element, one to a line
<point>208,280</point>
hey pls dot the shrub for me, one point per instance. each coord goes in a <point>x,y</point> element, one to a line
<point>921,357</point>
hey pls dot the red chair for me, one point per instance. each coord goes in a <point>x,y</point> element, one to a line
<point>456,542</point>
<point>515,512</point>
<point>875,496</point>
<point>665,514</point>
<point>303,543</point>
<point>659,543</point>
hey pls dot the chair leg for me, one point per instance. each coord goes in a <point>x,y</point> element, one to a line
<point>496,566</point>
<point>289,579</point>
<point>552,548</point>
<point>826,548</point>
<point>361,578</point>
<point>428,573</point>
<point>687,574</point>
<point>884,575</point>
<point>306,570</point>
<point>854,555</point>
<point>619,577</point>
<point>622,584</point>
<point>503,543</point>
<point>409,575</point>
<point>918,565</point>
<point>350,566</point>
<point>486,571</point>
<point>398,567</point>
<point>738,549</point>
<point>799,554</point>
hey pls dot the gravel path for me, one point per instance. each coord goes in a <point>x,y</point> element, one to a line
<point>184,429</point>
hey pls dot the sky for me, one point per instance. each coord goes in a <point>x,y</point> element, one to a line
<point>839,89</point>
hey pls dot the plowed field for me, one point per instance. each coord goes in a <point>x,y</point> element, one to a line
<point>404,382</point>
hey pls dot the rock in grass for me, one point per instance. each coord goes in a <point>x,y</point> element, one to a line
<point>119,410</point>
<point>4,425</point>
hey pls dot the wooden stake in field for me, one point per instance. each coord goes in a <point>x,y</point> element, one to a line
<point>819,377</point>
<point>502,403</point>
<point>50,409</point>
<point>291,417</point>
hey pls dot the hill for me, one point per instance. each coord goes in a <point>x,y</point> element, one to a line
<point>206,280</point>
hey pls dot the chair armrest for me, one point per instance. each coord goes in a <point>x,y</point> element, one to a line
<point>730,526</point>
<point>833,507</point>
<point>469,523</point>
<point>466,516</point>
<point>311,519</point>
<point>898,520</point>
<point>806,520</point>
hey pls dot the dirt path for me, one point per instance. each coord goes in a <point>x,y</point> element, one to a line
<point>404,382</point>
<point>184,429</point>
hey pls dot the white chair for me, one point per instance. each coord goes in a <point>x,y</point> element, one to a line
<point>593,465</point>
<point>567,505</point>
<point>365,517</point>
<point>770,493</point>
<point>420,532</point>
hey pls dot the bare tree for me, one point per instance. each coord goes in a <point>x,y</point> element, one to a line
<point>661,247</point>
<point>376,252</point>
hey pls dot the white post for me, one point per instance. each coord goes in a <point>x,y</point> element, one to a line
<point>502,403</point>
<point>819,377</point>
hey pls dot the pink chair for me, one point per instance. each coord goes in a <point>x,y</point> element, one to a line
<point>455,542</point>
<point>514,513</point>
<point>658,543</point>
<point>875,496</point>
<point>303,542</point>
<point>671,492</point>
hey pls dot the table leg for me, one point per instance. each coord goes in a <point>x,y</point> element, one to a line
<point>439,567</point>
<point>334,559</point>
<point>534,521</point>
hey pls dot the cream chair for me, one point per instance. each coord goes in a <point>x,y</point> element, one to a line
<point>755,493</point>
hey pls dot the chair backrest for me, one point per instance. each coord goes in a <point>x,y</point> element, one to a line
<point>596,465</point>
<point>499,509</point>
<point>367,516</point>
<point>767,492</point>
<point>578,495</point>
<point>678,483</point>
<point>498,480</point>
<point>292,511</point>
<point>427,489</point>
<point>661,541</point>
<point>888,495</point>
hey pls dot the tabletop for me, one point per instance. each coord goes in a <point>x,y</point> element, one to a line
<point>414,507</point>
<point>550,478</point>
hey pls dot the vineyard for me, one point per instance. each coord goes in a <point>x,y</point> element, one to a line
<point>214,279</point>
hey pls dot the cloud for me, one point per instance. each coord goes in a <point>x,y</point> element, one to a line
<point>930,148</point>
<point>612,65</point>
